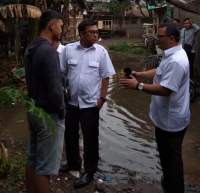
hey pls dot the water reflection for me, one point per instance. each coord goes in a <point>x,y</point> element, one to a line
<point>127,138</point>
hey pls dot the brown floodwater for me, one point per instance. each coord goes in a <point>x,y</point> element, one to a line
<point>127,143</point>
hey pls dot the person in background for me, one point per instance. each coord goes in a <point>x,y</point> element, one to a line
<point>177,23</point>
<point>88,70</point>
<point>45,88</point>
<point>188,33</point>
<point>170,104</point>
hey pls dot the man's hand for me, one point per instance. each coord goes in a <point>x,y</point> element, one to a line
<point>129,83</point>
<point>137,75</point>
<point>100,103</point>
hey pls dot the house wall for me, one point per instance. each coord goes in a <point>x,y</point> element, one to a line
<point>132,27</point>
<point>70,31</point>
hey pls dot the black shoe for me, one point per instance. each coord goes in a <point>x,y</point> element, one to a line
<point>64,168</point>
<point>84,180</point>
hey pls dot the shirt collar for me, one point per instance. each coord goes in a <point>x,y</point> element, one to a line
<point>172,50</point>
<point>78,46</point>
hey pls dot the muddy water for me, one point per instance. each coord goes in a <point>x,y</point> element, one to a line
<point>127,134</point>
<point>127,143</point>
<point>127,139</point>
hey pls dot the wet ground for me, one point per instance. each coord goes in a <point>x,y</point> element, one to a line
<point>129,160</point>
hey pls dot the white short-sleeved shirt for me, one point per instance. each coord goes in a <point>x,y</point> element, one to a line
<point>172,113</point>
<point>86,67</point>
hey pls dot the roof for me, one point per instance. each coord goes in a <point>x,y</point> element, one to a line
<point>188,5</point>
<point>19,11</point>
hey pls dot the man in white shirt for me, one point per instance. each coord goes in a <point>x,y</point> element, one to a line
<point>88,68</point>
<point>169,109</point>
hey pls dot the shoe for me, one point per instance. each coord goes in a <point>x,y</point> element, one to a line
<point>64,168</point>
<point>84,180</point>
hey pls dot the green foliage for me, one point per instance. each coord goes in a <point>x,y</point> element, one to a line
<point>40,114</point>
<point>127,48</point>
<point>102,7</point>
<point>10,96</point>
<point>18,161</point>
<point>5,167</point>
<point>118,7</point>
<point>19,73</point>
<point>15,177</point>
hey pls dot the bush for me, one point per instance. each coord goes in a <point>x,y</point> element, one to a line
<point>127,48</point>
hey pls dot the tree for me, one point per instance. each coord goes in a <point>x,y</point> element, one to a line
<point>118,8</point>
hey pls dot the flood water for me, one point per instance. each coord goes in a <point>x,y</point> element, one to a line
<point>127,138</point>
<point>127,143</point>
<point>127,135</point>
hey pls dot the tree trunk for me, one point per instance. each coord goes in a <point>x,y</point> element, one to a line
<point>17,41</point>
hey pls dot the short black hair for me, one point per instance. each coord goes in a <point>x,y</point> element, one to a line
<point>177,20</point>
<point>47,16</point>
<point>171,30</point>
<point>85,23</point>
<point>187,18</point>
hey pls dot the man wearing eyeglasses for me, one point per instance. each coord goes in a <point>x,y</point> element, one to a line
<point>169,109</point>
<point>89,68</point>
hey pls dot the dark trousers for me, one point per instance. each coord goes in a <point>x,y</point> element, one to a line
<point>88,120</point>
<point>170,151</point>
<point>191,57</point>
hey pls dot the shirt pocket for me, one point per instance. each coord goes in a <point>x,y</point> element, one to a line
<point>93,69</point>
<point>94,64</point>
<point>72,63</point>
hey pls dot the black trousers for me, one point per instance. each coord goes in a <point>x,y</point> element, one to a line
<point>191,57</point>
<point>88,120</point>
<point>170,151</point>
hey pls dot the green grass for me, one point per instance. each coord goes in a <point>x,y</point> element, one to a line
<point>124,47</point>
<point>14,181</point>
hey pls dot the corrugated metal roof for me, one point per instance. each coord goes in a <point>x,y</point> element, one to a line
<point>188,5</point>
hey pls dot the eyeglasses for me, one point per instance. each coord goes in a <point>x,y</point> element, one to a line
<point>161,36</point>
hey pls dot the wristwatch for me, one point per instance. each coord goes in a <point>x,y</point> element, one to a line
<point>140,86</point>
